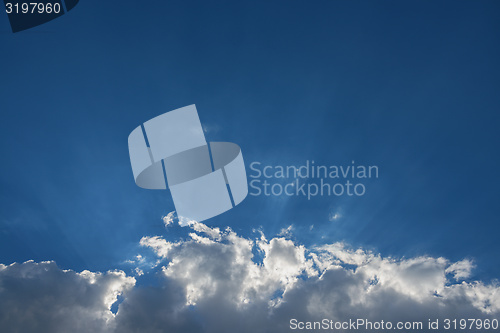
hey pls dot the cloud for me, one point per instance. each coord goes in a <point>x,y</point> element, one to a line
<point>40,297</point>
<point>286,232</point>
<point>461,269</point>
<point>169,219</point>
<point>329,281</point>
<point>158,244</point>
<point>219,281</point>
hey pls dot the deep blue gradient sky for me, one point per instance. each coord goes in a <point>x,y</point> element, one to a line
<point>412,87</point>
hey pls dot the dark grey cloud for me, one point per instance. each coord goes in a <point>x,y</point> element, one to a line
<point>40,297</point>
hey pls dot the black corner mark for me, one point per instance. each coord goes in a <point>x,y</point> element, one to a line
<point>70,4</point>
<point>26,14</point>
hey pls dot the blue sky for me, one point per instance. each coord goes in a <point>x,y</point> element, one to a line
<point>411,87</point>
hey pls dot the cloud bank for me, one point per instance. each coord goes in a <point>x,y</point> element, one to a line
<point>40,297</point>
<point>218,281</point>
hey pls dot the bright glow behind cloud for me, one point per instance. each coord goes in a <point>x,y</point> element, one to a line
<point>212,282</point>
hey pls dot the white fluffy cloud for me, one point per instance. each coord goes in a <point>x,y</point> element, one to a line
<point>220,278</point>
<point>218,281</point>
